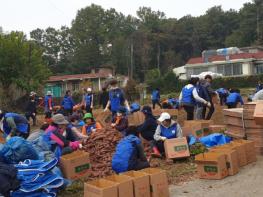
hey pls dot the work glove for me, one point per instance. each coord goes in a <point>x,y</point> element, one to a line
<point>163,138</point>
<point>208,104</point>
<point>106,109</point>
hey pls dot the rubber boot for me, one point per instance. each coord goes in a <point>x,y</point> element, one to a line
<point>156,152</point>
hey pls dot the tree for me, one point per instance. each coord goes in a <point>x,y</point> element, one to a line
<point>21,64</point>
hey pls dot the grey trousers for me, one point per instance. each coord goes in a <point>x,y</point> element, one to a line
<point>199,113</point>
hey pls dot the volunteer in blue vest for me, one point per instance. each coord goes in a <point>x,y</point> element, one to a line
<point>88,101</point>
<point>167,129</point>
<point>233,99</point>
<point>129,154</point>
<point>156,98</point>
<point>68,103</point>
<point>13,124</point>
<point>116,99</point>
<point>189,98</point>
<point>48,102</point>
<point>223,94</point>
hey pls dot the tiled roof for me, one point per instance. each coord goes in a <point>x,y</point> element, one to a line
<point>200,60</point>
<point>78,77</point>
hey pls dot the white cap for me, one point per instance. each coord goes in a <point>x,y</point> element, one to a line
<point>164,116</point>
<point>32,93</point>
<point>49,93</point>
<point>89,89</point>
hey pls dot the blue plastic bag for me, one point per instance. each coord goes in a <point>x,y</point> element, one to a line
<point>17,149</point>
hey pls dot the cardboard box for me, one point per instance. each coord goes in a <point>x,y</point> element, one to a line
<point>176,148</point>
<point>198,128</point>
<point>211,165</point>
<point>100,188</point>
<point>136,118</point>
<point>75,165</point>
<point>241,152</point>
<point>231,160</point>
<point>158,182</point>
<point>250,150</point>
<point>258,113</point>
<point>125,185</point>
<point>141,183</point>
<point>217,128</point>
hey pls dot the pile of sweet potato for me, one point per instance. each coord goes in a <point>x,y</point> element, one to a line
<point>101,147</point>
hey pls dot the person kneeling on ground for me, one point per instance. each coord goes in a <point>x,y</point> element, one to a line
<point>13,124</point>
<point>233,99</point>
<point>59,137</point>
<point>129,153</point>
<point>120,121</point>
<point>167,129</point>
<point>90,124</point>
<point>148,128</point>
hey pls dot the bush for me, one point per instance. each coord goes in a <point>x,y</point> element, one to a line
<point>167,83</point>
<point>237,82</point>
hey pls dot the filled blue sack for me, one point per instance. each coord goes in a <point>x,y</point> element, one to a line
<point>17,149</point>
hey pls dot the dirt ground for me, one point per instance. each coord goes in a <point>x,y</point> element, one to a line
<point>247,183</point>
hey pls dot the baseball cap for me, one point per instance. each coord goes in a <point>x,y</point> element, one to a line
<point>164,116</point>
<point>89,89</point>
<point>49,93</point>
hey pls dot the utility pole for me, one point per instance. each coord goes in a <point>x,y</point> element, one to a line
<point>131,71</point>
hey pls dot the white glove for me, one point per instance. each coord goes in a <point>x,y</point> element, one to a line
<point>163,138</point>
<point>208,104</point>
<point>8,137</point>
<point>106,109</point>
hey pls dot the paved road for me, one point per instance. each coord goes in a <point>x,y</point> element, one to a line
<point>247,183</point>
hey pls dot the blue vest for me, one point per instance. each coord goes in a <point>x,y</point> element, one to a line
<point>233,98</point>
<point>46,100</point>
<point>67,102</point>
<point>187,95</point>
<point>169,132</point>
<point>20,121</point>
<point>116,99</point>
<point>89,128</point>
<point>155,95</point>
<point>88,99</point>
<point>124,158</point>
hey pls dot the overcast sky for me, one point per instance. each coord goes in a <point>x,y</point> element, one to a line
<point>26,15</point>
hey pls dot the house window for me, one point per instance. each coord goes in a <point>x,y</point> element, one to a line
<point>197,71</point>
<point>75,86</point>
<point>258,68</point>
<point>230,69</point>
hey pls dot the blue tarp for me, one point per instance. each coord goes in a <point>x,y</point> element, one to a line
<point>209,141</point>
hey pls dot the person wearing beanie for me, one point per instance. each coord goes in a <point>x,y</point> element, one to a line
<point>120,121</point>
<point>90,124</point>
<point>167,129</point>
<point>59,136</point>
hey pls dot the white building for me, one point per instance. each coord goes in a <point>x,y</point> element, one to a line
<point>240,64</point>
